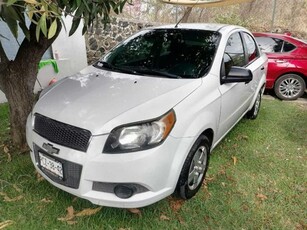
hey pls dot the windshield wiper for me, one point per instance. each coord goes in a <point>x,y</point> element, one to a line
<point>157,72</point>
<point>104,64</point>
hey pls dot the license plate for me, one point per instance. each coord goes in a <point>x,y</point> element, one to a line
<point>51,165</point>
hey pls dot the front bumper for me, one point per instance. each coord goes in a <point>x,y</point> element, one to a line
<point>154,172</point>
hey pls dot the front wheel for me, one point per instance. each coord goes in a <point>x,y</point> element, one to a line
<point>289,87</point>
<point>194,168</point>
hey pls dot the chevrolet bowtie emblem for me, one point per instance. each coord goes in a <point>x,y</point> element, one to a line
<point>50,149</point>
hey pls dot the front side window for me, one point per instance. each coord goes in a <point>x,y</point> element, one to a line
<point>234,52</point>
<point>166,52</point>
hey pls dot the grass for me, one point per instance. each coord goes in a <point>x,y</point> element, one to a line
<point>257,180</point>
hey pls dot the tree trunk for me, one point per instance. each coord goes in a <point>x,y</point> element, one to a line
<point>17,81</point>
<point>20,99</point>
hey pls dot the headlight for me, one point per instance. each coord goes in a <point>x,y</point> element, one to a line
<point>140,136</point>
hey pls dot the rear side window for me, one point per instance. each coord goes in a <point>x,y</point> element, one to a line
<point>274,45</point>
<point>251,46</point>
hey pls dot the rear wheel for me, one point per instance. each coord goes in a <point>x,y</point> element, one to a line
<point>194,169</point>
<point>289,87</point>
<point>253,113</point>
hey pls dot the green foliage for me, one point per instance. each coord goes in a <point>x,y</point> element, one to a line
<point>232,19</point>
<point>45,14</point>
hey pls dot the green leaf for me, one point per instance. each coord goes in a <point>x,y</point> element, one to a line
<point>12,23</point>
<point>11,2</point>
<point>74,26</point>
<point>121,5</point>
<point>63,23</point>
<point>78,3</point>
<point>43,24</point>
<point>31,1</point>
<point>84,29</point>
<point>25,30</point>
<point>12,13</point>
<point>52,29</point>
<point>37,32</point>
<point>86,5</point>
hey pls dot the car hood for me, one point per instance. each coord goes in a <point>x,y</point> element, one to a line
<point>99,100</point>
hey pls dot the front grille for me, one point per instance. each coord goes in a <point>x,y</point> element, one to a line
<point>71,170</point>
<point>61,133</point>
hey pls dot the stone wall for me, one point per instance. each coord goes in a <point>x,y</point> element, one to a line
<point>102,38</point>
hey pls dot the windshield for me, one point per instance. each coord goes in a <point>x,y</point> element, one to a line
<point>174,53</point>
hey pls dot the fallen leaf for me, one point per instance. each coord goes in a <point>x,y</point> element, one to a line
<point>71,222</point>
<point>88,212</point>
<point>6,224</point>
<point>234,160</point>
<point>6,150</point>
<point>181,221</point>
<point>261,196</point>
<point>222,172</point>
<point>39,177</point>
<point>16,188</point>
<point>301,226</point>
<point>223,184</point>
<point>135,211</point>
<point>6,198</point>
<point>69,216</point>
<point>164,217</point>
<point>46,200</point>
<point>176,204</point>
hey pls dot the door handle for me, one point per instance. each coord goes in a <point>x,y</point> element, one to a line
<point>262,68</point>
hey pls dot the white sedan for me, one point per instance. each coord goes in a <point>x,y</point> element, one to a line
<point>140,124</point>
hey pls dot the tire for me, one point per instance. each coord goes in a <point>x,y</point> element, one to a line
<point>289,87</point>
<point>194,168</point>
<point>253,113</point>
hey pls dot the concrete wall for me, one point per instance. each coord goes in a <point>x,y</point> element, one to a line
<point>102,38</point>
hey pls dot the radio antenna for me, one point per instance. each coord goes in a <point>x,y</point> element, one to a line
<point>187,12</point>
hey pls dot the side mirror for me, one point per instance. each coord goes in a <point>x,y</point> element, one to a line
<point>237,74</point>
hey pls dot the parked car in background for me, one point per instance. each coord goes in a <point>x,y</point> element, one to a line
<point>141,122</point>
<point>287,69</point>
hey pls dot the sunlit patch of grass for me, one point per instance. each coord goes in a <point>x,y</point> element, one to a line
<point>257,179</point>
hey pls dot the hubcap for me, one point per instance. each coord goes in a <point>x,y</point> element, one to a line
<point>197,167</point>
<point>257,104</point>
<point>290,87</point>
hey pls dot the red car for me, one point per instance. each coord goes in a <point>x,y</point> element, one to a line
<point>287,69</point>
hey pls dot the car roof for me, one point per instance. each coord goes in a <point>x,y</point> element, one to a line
<point>201,26</point>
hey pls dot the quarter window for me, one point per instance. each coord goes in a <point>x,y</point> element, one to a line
<point>288,47</point>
